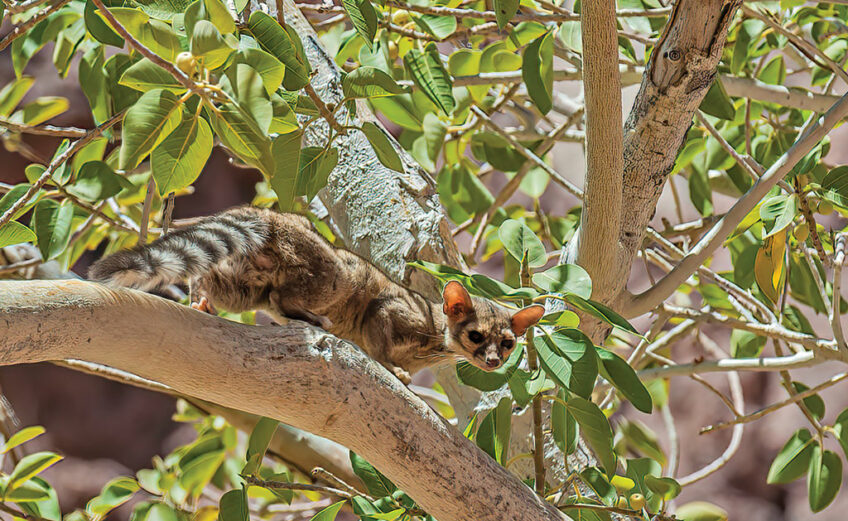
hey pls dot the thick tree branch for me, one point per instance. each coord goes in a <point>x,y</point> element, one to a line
<point>295,373</point>
<point>598,243</point>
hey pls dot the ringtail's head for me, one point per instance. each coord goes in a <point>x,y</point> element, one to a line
<point>481,331</point>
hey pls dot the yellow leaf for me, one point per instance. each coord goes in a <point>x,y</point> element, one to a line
<point>770,266</point>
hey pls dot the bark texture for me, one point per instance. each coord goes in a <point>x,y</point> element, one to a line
<point>295,373</point>
<point>598,246</point>
<point>681,70</point>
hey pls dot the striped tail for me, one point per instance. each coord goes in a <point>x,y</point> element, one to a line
<point>184,253</point>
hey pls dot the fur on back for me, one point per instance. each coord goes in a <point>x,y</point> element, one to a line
<point>185,253</point>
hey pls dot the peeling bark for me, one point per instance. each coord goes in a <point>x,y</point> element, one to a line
<point>295,373</point>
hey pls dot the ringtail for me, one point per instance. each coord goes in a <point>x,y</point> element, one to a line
<point>248,258</point>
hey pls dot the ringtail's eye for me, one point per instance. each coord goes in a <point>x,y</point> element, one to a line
<point>507,344</point>
<point>475,336</point>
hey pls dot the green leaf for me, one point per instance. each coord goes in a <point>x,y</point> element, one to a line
<point>377,484</point>
<point>283,119</point>
<point>316,163</point>
<point>383,148</point>
<point>40,110</point>
<point>97,181</point>
<point>504,11</point>
<point>564,278</point>
<point>520,241</point>
<point>538,73</point>
<point>178,160</point>
<point>774,72</point>
<point>99,28</point>
<point>600,484</point>
<point>778,212</point>
<point>114,494</point>
<point>279,42</point>
<point>208,45</point>
<point>813,403</point>
<point>153,117</point>
<point>744,344</point>
<point>596,430</point>
<point>428,73</point>
<point>163,9</point>
<point>481,380</point>
<point>233,507</point>
<point>370,82</point>
<point>835,185</point>
<point>257,444</point>
<point>580,369</point>
<point>329,513</point>
<point>824,479</point>
<point>601,311</point>
<point>284,182</point>
<point>46,508</point>
<point>667,488</point>
<point>144,75</point>
<point>564,427</point>
<point>624,378</point>
<point>156,35</point>
<point>793,459</point>
<point>12,196</point>
<point>220,15</point>
<point>21,437</point>
<point>94,80</point>
<point>701,511</point>
<point>52,224</point>
<point>28,492</point>
<point>13,93</point>
<point>840,427</point>
<point>239,132</point>
<point>29,466</point>
<point>199,471</point>
<point>494,432</point>
<point>495,289</point>
<point>717,103</point>
<point>364,19</point>
<point>13,233</point>
<point>269,68</point>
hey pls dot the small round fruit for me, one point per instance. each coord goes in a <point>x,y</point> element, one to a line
<point>186,63</point>
<point>813,204</point>
<point>825,208</point>
<point>801,232</point>
<point>400,17</point>
<point>637,501</point>
<point>621,502</point>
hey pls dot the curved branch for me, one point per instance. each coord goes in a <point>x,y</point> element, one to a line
<point>295,373</point>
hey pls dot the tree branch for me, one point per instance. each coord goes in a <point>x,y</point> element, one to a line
<point>714,238</point>
<point>295,373</point>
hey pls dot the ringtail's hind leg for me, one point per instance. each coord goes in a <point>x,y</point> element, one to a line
<point>281,306</point>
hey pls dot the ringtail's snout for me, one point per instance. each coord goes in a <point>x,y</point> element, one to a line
<point>481,331</point>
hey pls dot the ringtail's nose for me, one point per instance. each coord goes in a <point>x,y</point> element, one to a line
<point>492,362</point>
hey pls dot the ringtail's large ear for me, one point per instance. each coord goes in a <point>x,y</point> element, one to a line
<point>526,318</point>
<point>457,301</point>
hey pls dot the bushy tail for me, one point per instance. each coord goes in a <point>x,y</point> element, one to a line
<point>185,252</point>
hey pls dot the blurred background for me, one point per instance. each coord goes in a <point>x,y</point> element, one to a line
<point>105,429</point>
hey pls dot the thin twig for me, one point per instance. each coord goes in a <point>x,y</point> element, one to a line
<point>169,212</point>
<point>748,418</point>
<point>836,290</point>
<point>145,212</point>
<point>43,130</point>
<point>533,366</point>
<point>21,29</point>
<point>56,163</point>
<point>144,51</point>
<point>322,108</point>
<point>11,268</point>
<point>286,485</point>
<point>810,220</point>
